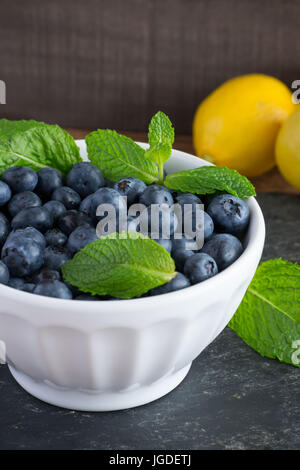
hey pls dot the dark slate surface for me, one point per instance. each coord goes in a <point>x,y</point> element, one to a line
<point>231,399</point>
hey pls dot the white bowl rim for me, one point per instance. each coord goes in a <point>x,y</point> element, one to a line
<point>113,306</point>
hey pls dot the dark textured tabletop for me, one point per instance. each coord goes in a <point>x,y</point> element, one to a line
<point>232,398</point>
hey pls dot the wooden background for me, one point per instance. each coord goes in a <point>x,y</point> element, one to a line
<point>114,63</point>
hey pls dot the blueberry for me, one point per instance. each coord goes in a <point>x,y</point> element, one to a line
<point>37,217</point>
<point>28,287</point>
<point>203,226</point>
<point>199,267</point>
<point>179,282</point>
<point>224,248</point>
<point>128,225</point>
<point>20,284</point>
<point>49,179</point>
<point>230,214</point>
<point>72,219</point>
<point>208,226</point>
<point>55,237</point>
<point>66,195</point>
<point>85,178</point>
<point>55,257</point>
<point>209,197</point>
<point>155,194</point>
<point>162,221</point>
<point>5,193</point>
<point>75,291</point>
<point>4,228</point>
<point>53,289</point>
<point>56,209</point>
<point>191,219</point>
<point>88,297</point>
<point>181,244</point>
<point>46,274</point>
<point>16,283</point>
<point>4,273</point>
<point>165,243</point>
<point>20,178</point>
<point>180,257</point>
<point>85,205</point>
<point>23,200</point>
<point>22,256</point>
<point>106,196</point>
<point>30,233</point>
<point>130,187</point>
<point>188,198</point>
<point>81,237</point>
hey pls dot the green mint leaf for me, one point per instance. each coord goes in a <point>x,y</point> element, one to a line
<point>160,153</point>
<point>9,128</point>
<point>208,179</point>
<point>161,138</point>
<point>39,147</point>
<point>119,156</point>
<point>160,130</point>
<point>268,318</point>
<point>125,266</point>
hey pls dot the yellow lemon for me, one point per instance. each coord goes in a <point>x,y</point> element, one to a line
<point>287,150</point>
<point>236,125</point>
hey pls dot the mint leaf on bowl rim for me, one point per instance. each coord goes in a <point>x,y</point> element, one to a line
<point>38,147</point>
<point>209,179</point>
<point>120,265</point>
<point>118,156</point>
<point>268,319</point>
<point>8,128</point>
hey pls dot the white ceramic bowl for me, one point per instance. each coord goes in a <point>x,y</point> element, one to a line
<point>111,355</point>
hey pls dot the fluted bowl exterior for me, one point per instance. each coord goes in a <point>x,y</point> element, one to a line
<point>116,354</point>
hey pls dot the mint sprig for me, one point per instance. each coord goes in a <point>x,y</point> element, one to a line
<point>38,147</point>
<point>209,179</point>
<point>161,139</point>
<point>119,156</point>
<point>9,128</point>
<point>268,318</point>
<point>120,265</point>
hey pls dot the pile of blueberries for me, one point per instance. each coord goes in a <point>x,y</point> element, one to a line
<point>45,220</point>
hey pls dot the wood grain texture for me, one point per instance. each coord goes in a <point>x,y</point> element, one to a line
<point>271,182</point>
<point>113,63</point>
